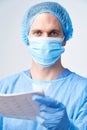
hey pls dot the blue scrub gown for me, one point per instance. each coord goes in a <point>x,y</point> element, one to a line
<point>68,88</point>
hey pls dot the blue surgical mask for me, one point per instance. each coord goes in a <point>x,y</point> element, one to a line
<point>46,50</point>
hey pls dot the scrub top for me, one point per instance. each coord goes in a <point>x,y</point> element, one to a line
<point>68,88</point>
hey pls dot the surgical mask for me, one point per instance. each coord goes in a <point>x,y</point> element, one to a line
<point>46,50</point>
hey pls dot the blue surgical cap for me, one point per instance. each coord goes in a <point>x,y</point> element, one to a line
<point>50,7</point>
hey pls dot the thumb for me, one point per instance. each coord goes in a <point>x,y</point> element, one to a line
<point>45,100</point>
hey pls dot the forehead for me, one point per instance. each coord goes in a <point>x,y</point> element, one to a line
<point>46,20</point>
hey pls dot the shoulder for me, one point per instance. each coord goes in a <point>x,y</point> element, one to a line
<point>75,79</point>
<point>79,84</point>
<point>10,78</point>
<point>76,82</point>
<point>80,79</point>
<point>7,81</point>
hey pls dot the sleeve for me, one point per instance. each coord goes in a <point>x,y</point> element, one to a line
<point>4,86</point>
<point>3,89</point>
<point>1,123</point>
<point>80,122</point>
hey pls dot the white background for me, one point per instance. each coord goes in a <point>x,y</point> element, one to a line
<point>14,56</point>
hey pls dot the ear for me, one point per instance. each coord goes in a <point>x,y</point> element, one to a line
<point>64,43</point>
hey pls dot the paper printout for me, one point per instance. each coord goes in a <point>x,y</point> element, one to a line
<point>19,105</point>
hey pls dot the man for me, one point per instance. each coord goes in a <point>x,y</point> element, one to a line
<point>46,29</point>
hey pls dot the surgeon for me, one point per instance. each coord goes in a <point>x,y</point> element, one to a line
<point>46,28</point>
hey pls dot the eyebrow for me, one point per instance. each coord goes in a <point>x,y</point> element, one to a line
<point>53,30</point>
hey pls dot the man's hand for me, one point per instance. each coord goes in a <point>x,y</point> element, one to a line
<point>52,114</point>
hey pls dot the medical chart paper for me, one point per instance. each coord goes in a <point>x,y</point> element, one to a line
<point>19,105</point>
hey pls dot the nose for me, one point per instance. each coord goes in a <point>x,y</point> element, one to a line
<point>45,34</point>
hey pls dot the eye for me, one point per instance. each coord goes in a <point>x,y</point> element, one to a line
<point>55,33</point>
<point>37,33</point>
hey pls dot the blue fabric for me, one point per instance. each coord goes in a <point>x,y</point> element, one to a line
<point>70,90</point>
<point>51,7</point>
<point>52,115</point>
<point>46,50</point>
<point>65,73</point>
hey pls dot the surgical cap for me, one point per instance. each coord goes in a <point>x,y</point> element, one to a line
<point>50,7</point>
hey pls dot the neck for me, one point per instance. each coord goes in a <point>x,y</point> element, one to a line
<point>46,73</point>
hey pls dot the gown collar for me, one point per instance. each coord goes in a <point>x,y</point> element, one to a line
<point>65,73</point>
